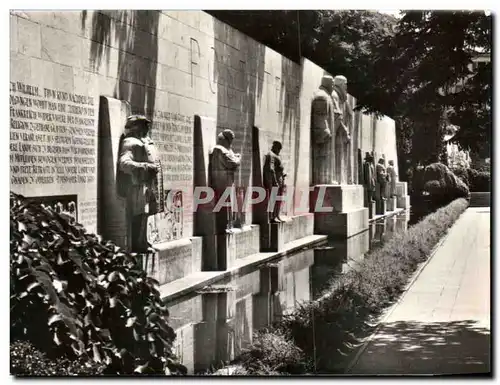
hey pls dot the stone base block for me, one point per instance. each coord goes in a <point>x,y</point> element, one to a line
<point>222,250</point>
<point>272,236</point>
<point>345,224</point>
<point>339,198</point>
<point>174,260</point>
<point>381,207</point>
<point>300,226</point>
<point>372,209</point>
<point>401,189</point>
<point>403,202</point>
<point>392,204</point>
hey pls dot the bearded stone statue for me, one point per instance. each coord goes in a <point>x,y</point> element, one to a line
<point>342,135</point>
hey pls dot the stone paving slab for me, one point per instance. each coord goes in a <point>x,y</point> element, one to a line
<point>442,324</point>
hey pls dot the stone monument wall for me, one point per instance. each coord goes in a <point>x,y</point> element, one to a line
<point>170,65</point>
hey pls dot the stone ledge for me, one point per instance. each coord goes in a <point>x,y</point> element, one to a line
<point>180,287</point>
<point>387,214</point>
<point>175,259</point>
<point>345,224</point>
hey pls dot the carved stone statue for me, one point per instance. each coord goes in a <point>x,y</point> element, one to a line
<point>274,177</point>
<point>139,180</point>
<point>368,178</point>
<point>392,178</point>
<point>342,134</point>
<point>322,121</point>
<point>223,165</point>
<point>381,179</point>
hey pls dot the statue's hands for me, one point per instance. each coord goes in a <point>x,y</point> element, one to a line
<point>152,168</point>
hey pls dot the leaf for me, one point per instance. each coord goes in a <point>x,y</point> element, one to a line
<point>131,321</point>
<point>113,276</point>
<point>141,368</point>
<point>54,318</point>
<point>57,285</point>
<point>97,355</point>
<point>56,339</point>
<point>32,286</point>
<point>112,302</point>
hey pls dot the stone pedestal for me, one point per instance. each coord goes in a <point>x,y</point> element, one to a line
<point>338,210</point>
<point>403,199</point>
<point>272,236</point>
<point>372,209</point>
<point>391,204</point>
<point>174,260</point>
<point>381,207</point>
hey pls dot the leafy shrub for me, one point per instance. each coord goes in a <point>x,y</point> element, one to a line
<point>75,296</point>
<point>325,330</point>
<point>443,185</point>
<point>479,181</point>
<point>26,360</point>
<point>273,353</point>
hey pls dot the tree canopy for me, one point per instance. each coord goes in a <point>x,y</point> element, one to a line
<point>416,69</point>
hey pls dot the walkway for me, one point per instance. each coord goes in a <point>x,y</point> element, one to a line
<point>442,324</point>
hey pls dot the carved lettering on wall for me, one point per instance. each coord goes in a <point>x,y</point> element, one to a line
<point>52,136</point>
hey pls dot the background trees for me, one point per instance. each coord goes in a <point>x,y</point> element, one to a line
<point>417,69</point>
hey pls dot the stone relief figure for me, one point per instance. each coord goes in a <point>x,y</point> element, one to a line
<point>369,178</point>
<point>139,180</point>
<point>274,176</point>
<point>322,134</point>
<point>381,179</point>
<point>223,164</point>
<point>342,134</point>
<point>392,178</point>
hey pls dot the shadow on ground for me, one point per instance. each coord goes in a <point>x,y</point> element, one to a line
<point>459,347</point>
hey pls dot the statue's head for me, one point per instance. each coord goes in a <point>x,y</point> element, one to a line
<point>368,156</point>
<point>327,83</point>
<point>391,163</point>
<point>225,138</point>
<point>381,161</point>
<point>137,125</point>
<point>276,147</point>
<point>341,82</point>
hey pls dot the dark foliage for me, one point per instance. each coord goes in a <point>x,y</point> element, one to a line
<point>78,297</point>
<point>442,185</point>
<point>418,69</point>
<point>26,360</point>
<point>479,181</point>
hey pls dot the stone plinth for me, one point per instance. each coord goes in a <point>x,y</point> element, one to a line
<point>174,260</point>
<point>403,202</point>
<point>372,209</point>
<point>381,207</point>
<point>391,204</point>
<point>274,236</point>
<point>338,210</point>
<point>403,199</point>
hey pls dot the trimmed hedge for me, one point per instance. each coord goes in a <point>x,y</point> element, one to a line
<point>76,297</point>
<point>443,185</point>
<point>325,330</point>
<point>476,180</point>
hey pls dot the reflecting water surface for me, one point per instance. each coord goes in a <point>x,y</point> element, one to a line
<point>215,324</point>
